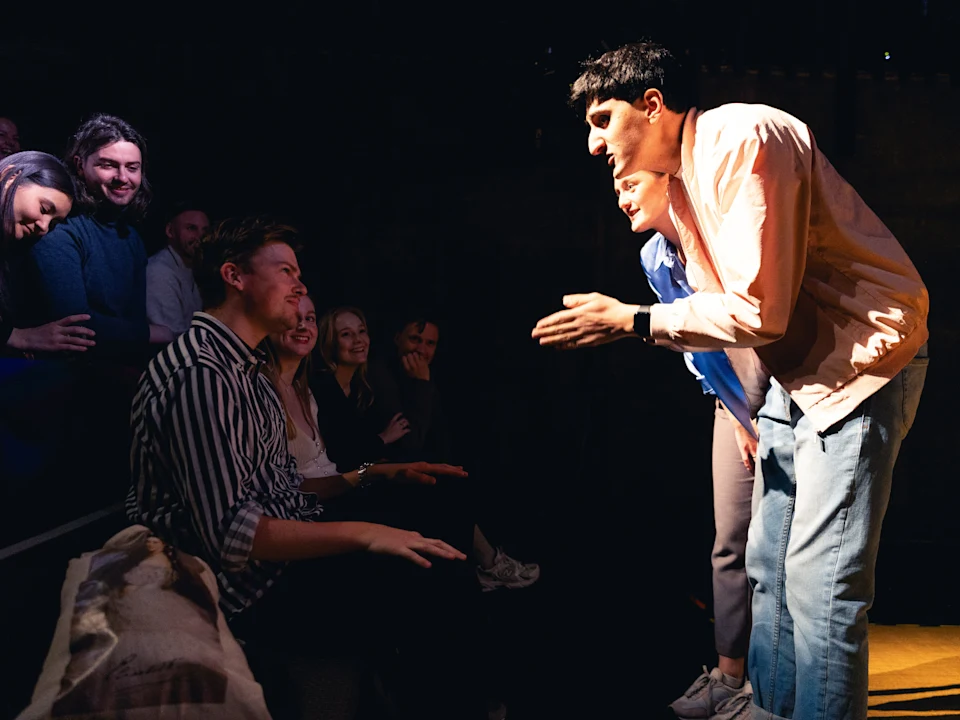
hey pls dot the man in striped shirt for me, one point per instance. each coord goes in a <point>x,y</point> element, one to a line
<point>211,470</point>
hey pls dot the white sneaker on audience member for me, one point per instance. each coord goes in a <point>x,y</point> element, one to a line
<point>507,573</point>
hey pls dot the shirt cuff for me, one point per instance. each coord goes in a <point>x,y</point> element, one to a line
<point>238,538</point>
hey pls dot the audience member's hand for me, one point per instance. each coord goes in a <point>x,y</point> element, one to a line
<point>747,444</point>
<point>160,335</point>
<point>423,473</point>
<point>386,540</point>
<point>54,336</point>
<point>415,366</point>
<point>592,319</point>
<point>395,429</point>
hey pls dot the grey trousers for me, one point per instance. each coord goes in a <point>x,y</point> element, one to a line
<point>732,495</point>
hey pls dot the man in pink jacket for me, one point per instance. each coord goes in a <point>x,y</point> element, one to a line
<point>786,259</point>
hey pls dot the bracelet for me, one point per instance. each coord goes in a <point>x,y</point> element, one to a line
<point>363,481</point>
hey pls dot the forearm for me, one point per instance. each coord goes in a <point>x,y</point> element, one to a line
<point>12,337</point>
<point>331,486</point>
<point>281,540</point>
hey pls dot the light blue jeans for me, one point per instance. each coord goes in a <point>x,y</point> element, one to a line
<point>818,504</point>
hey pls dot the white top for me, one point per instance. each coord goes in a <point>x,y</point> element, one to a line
<point>310,452</point>
<point>172,293</point>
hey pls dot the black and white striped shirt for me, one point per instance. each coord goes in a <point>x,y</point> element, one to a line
<point>210,456</point>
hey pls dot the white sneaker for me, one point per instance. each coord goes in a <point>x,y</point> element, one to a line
<point>507,573</point>
<point>701,700</point>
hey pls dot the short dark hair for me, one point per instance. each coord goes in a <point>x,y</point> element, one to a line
<point>93,134</point>
<point>182,206</point>
<point>628,72</point>
<point>418,316</point>
<point>235,240</point>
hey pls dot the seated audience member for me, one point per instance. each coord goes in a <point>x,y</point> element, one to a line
<point>94,263</point>
<point>9,138</point>
<point>172,294</point>
<point>344,395</point>
<point>404,383</point>
<point>36,192</point>
<point>213,475</point>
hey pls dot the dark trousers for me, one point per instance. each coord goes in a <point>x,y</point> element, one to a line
<point>418,628</point>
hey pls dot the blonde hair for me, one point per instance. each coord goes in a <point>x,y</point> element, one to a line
<point>301,387</point>
<point>327,343</point>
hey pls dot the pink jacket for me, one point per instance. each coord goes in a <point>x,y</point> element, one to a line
<point>790,261</point>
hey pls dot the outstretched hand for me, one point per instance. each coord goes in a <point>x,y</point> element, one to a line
<point>591,319</point>
<point>386,540</point>
<point>420,472</point>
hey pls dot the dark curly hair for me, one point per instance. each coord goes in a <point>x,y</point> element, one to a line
<point>628,72</point>
<point>97,132</point>
<point>235,240</point>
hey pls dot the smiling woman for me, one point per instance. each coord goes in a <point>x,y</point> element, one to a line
<point>36,192</point>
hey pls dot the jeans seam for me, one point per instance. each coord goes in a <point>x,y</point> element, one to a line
<point>864,422</point>
<point>781,593</point>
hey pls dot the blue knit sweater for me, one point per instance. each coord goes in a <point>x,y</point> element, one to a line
<point>93,264</point>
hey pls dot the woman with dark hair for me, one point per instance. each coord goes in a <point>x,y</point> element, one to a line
<point>344,394</point>
<point>36,192</point>
<point>95,263</point>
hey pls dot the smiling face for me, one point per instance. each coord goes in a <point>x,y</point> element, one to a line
<point>643,198</point>
<point>113,172</point>
<point>300,341</point>
<point>414,340</point>
<point>352,341</point>
<point>270,287</point>
<point>185,230</point>
<point>36,209</point>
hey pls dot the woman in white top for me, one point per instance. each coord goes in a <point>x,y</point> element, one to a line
<point>289,368</point>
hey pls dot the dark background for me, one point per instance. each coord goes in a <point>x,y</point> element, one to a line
<point>428,155</point>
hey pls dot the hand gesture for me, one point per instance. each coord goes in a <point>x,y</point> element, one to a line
<point>55,336</point>
<point>423,473</point>
<point>592,319</point>
<point>415,366</point>
<point>386,540</point>
<point>395,429</point>
<point>747,444</point>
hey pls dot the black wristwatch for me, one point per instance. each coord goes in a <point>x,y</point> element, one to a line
<point>641,321</point>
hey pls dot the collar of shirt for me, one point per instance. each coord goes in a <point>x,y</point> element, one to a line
<point>247,359</point>
<point>687,140</point>
<point>177,260</point>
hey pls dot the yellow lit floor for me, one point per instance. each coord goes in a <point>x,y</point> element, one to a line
<point>914,671</point>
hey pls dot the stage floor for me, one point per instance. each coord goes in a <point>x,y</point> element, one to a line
<point>914,671</point>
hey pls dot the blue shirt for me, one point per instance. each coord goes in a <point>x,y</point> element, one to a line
<point>668,280</point>
<point>89,264</point>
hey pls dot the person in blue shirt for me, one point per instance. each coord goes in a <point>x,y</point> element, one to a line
<point>94,263</point>
<point>724,691</point>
